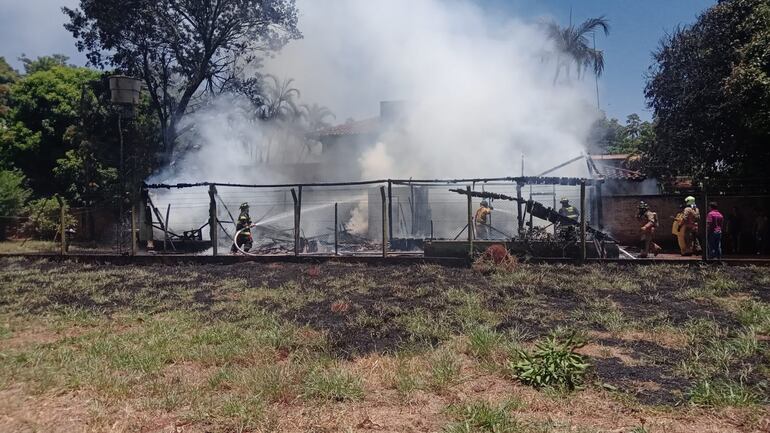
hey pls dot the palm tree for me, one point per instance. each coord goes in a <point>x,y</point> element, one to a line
<point>280,100</point>
<point>572,42</point>
<point>316,115</point>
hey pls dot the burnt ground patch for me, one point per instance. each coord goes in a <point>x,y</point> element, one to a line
<point>364,309</point>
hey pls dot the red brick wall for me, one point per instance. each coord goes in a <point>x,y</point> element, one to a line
<point>620,218</point>
<point>619,215</point>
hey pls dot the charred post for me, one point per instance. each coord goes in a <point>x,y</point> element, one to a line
<point>213,224</point>
<point>384,227</point>
<point>296,221</point>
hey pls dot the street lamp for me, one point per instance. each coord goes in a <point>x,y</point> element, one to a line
<point>125,92</point>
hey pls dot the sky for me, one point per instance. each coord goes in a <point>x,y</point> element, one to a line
<point>34,27</point>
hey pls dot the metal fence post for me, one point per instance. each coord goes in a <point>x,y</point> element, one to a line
<point>519,216</point>
<point>470,222</point>
<point>336,231</point>
<point>390,211</point>
<point>582,221</point>
<point>296,221</point>
<point>213,222</point>
<point>384,220</point>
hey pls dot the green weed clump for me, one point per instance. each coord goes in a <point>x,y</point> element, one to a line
<point>756,314</point>
<point>483,417</point>
<point>445,371</point>
<point>554,363</point>
<point>708,393</point>
<point>484,342</point>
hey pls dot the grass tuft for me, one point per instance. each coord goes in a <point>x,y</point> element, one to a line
<point>444,372</point>
<point>477,417</point>
<point>718,394</point>
<point>333,385</point>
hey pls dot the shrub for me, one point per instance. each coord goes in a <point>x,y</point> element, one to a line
<point>13,195</point>
<point>553,363</point>
<point>44,218</point>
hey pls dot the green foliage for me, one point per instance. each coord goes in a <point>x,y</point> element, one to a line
<point>7,76</point>
<point>89,181</point>
<point>179,48</point>
<point>553,363</point>
<point>7,73</point>
<point>13,193</point>
<point>44,217</point>
<point>60,120</point>
<point>610,137</point>
<point>710,90</point>
<point>44,105</point>
<point>573,42</point>
<point>43,63</point>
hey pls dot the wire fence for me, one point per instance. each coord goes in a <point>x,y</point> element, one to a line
<point>361,218</point>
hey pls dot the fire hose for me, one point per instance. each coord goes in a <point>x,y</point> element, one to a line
<point>235,240</point>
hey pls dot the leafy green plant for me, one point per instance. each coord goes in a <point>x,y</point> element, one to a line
<point>553,363</point>
<point>45,218</point>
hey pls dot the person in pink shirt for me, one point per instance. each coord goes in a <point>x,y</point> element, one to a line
<point>714,225</point>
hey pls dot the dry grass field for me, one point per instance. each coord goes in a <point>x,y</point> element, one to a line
<point>349,348</point>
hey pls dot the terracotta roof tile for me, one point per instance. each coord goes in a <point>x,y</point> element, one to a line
<point>360,127</point>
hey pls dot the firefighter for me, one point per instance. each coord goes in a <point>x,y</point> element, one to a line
<point>691,217</point>
<point>567,232</point>
<point>567,210</point>
<point>481,220</point>
<point>243,239</point>
<point>678,230</point>
<point>650,222</point>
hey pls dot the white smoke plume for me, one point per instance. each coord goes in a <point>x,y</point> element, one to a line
<point>478,91</point>
<point>478,88</point>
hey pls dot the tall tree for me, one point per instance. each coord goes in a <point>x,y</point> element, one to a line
<point>8,76</point>
<point>574,48</point>
<point>710,91</point>
<point>181,48</point>
<point>43,63</point>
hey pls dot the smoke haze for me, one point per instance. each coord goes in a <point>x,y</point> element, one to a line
<point>479,93</point>
<point>479,90</point>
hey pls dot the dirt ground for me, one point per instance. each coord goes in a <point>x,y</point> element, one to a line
<point>335,347</point>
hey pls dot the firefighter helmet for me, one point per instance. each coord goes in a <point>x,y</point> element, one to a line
<point>564,200</point>
<point>689,200</point>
